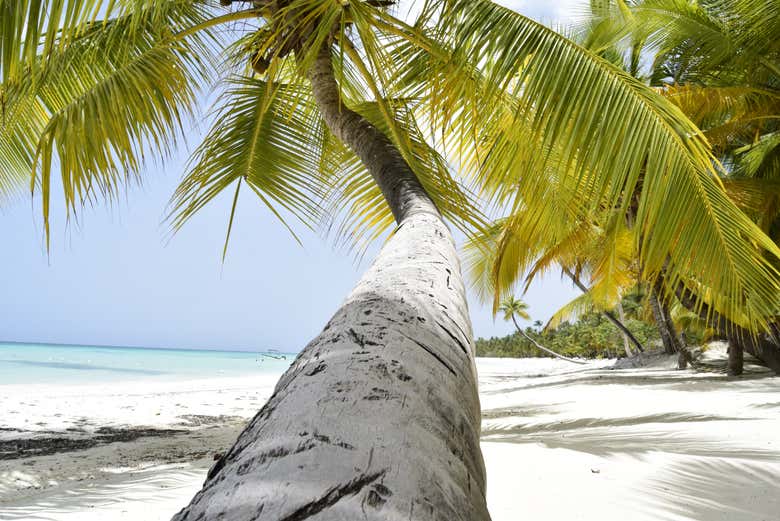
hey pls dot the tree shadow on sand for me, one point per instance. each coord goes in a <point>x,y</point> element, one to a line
<point>632,435</point>
<point>713,490</point>
<point>650,378</point>
<point>154,487</point>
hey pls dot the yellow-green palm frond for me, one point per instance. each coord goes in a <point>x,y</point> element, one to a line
<point>682,27</point>
<point>605,254</point>
<point>759,198</point>
<point>576,307</point>
<point>612,258</point>
<point>501,254</point>
<point>611,31</point>
<point>713,40</point>
<point>122,87</point>
<point>610,130</point>
<point>756,24</point>
<point>762,158</point>
<point>479,255</point>
<point>529,242</point>
<point>726,114</point>
<point>534,237</point>
<point>572,252</point>
<point>356,199</point>
<point>691,323</point>
<point>18,143</point>
<point>268,137</point>
<point>31,29</point>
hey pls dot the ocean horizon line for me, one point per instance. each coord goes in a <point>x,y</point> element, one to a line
<point>147,348</point>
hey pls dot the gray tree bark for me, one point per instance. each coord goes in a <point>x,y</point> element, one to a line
<point>736,358</point>
<point>626,345</point>
<point>764,346</point>
<point>668,336</point>
<point>671,341</point>
<point>378,418</point>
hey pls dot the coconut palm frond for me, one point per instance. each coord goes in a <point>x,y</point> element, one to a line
<point>32,30</point>
<point>610,132</point>
<point>268,137</point>
<point>122,87</point>
<point>580,305</point>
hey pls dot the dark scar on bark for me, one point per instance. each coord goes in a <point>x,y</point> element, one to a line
<point>333,496</point>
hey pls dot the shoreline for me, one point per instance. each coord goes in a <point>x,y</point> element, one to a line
<point>645,444</point>
<point>290,356</point>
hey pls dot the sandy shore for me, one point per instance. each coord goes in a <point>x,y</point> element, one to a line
<point>561,442</point>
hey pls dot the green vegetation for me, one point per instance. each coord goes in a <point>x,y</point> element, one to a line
<point>590,336</point>
<point>717,64</point>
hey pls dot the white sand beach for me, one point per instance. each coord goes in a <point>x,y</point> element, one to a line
<point>561,442</point>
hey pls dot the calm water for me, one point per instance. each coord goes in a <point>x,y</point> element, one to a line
<point>45,363</point>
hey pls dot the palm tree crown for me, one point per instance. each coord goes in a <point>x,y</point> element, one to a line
<point>512,306</point>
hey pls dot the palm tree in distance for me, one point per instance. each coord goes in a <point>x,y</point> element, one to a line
<point>514,308</point>
<point>321,116</point>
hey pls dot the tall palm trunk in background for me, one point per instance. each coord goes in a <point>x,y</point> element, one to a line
<point>664,324</point>
<point>667,336</point>
<point>736,357</point>
<point>663,320</point>
<point>378,417</point>
<point>623,335</point>
<point>620,324</point>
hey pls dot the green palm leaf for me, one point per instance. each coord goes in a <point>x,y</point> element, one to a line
<point>268,136</point>
<point>121,87</point>
<point>608,132</point>
<point>31,29</point>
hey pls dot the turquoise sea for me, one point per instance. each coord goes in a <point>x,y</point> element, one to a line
<point>53,364</point>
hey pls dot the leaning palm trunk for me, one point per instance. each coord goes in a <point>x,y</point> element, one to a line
<point>541,347</point>
<point>378,417</point>
<point>671,342</point>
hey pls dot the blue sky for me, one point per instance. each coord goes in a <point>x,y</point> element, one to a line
<point>114,278</point>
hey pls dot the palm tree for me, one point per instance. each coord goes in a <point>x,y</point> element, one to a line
<point>531,239</point>
<point>320,116</point>
<point>586,250</point>
<point>514,308</point>
<point>726,81</point>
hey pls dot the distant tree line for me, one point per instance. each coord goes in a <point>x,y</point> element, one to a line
<point>591,336</point>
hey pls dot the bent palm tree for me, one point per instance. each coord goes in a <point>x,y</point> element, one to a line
<point>582,250</point>
<point>514,308</point>
<point>321,109</point>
